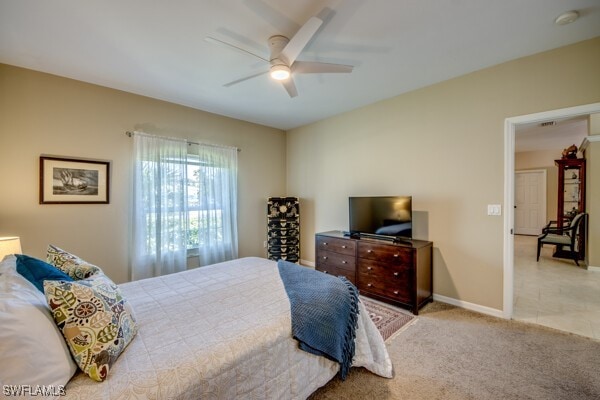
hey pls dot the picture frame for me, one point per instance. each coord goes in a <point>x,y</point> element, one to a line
<point>67,180</point>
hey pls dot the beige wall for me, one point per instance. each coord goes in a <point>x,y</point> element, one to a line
<point>543,159</point>
<point>592,202</point>
<point>45,114</point>
<point>536,159</point>
<point>444,145</point>
<point>594,124</point>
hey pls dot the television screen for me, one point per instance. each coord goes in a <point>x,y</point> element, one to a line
<point>384,215</point>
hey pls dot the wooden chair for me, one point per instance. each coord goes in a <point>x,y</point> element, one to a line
<point>565,236</point>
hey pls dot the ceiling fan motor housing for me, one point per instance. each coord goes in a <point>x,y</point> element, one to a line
<point>276,44</point>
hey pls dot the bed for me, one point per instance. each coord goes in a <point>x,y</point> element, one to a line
<point>223,332</point>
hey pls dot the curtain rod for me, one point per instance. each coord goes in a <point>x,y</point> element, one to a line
<point>130,134</point>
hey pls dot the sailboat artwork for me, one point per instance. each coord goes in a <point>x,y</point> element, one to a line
<point>73,180</point>
<point>69,181</point>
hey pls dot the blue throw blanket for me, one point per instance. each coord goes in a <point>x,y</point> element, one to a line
<point>324,312</point>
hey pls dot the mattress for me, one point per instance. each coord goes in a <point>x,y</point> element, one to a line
<point>220,332</point>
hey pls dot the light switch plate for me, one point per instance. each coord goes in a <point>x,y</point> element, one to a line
<point>494,209</point>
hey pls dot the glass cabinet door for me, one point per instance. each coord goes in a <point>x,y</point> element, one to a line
<point>571,188</point>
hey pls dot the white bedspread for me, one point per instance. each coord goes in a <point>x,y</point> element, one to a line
<point>220,332</point>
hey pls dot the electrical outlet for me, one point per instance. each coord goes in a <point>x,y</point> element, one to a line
<point>494,209</point>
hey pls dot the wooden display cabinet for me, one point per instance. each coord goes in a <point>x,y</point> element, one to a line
<point>571,188</point>
<point>571,198</point>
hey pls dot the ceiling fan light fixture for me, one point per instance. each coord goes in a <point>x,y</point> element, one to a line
<point>280,72</point>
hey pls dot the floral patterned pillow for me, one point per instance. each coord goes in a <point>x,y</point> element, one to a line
<point>95,320</point>
<point>70,264</point>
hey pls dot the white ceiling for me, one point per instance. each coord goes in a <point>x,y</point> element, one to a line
<point>157,48</point>
<point>557,136</point>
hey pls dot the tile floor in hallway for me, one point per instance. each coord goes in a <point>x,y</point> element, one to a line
<point>555,292</point>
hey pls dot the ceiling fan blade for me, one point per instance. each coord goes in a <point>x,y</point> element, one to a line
<point>245,78</point>
<point>307,67</point>
<point>269,14</point>
<point>297,43</point>
<point>289,85</point>
<point>233,47</point>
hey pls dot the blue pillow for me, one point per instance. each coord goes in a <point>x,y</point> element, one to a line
<point>37,271</point>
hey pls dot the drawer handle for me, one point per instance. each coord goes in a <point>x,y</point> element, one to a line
<point>395,292</point>
<point>325,272</point>
<point>324,243</point>
<point>396,255</point>
<point>369,251</point>
<point>369,285</point>
<point>344,262</point>
<point>369,268</point>
<point>396,274</point>
<point>324,257</point>
<point>344,246</point>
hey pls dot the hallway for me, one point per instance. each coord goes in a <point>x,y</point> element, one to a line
<point>555,292</point>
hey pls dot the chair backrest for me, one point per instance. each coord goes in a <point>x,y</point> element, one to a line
<point>574,227</point>
<point>576,221</point>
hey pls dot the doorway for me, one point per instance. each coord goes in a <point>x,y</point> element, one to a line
<point>530,202</point>
<point>509,188</point>
<point>554,292</point>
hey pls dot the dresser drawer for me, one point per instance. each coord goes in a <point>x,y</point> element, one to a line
<point>385,253</point>
<point>341,246</point>
<point>331,270</point>
<point>390,281</point>
<point>340,261</point>
<point>384,271</point>
<point>399,293</point>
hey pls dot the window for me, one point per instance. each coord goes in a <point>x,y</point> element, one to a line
<point>205,216</point>
<point>185,202</point>
<point>212,203</point>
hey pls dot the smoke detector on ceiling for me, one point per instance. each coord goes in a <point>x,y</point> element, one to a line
<point>566,17</point>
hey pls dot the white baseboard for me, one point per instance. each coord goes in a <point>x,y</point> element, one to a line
<point>593,268</point>
<point>307,263</point>
<point>469,306</point>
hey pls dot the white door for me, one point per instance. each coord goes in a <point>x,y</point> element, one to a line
<point>530,202</point>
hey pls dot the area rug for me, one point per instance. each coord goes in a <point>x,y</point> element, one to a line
<point>389,320</point>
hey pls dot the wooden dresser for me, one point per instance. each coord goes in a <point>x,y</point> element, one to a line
<point>336,255</point>
<point>396,273</point>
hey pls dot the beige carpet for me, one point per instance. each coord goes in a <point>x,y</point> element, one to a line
<point>453,354</point>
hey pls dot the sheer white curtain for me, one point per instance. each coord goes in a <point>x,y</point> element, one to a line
<point>159,206</point>
<point>213,205</point>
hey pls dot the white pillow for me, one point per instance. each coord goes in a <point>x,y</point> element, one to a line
<point>32,349</point>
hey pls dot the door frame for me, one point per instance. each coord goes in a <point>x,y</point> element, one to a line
<point>544,207</point>
<point>509,182</point>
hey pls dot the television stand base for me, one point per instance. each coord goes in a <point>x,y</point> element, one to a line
<point>393,239</point>
<point>353,235</point>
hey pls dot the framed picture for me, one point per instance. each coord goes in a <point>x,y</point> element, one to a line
<point>73,181</point>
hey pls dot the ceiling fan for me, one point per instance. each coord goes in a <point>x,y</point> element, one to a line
<point>284,53</point>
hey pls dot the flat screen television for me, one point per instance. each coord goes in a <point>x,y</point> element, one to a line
<point>387,216</point>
